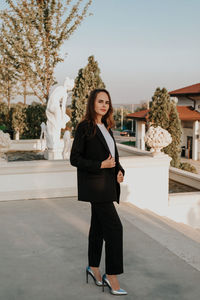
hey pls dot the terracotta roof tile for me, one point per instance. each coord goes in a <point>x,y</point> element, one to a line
<point>186,113</point>
<point>139,114</point>
<point>191,89</point>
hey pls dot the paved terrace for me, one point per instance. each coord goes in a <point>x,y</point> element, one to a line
<point>43,253</point>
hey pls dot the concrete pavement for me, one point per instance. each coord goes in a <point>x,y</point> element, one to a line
<point>43,253</point>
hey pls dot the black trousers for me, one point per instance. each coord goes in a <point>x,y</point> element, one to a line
<point>106,225</point>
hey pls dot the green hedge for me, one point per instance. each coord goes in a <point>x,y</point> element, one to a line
<point>35,115</point>
<point>25,118</point>
<point>3,127</point>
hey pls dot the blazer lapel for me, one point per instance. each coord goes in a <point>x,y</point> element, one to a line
<point>101,137</point>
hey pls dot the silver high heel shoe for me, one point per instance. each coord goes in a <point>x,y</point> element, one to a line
<point>89,271</point>
<point>114,292</point>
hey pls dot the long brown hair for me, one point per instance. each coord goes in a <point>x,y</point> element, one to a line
<point>90,115</point>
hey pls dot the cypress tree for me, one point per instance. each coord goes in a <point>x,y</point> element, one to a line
<point>174,128</point>
<point>159,109</point>
<point>163,113</point>
<point>87,80</point>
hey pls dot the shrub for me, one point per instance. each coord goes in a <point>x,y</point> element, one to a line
<point>187,167</point>
<point>35,115</point>
<point>3,128</point>
<point>4,115</point>
<point>17,114</point>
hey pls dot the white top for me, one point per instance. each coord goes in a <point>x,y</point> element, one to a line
<point>108,138</point>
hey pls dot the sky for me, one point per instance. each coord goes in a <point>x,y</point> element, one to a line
<point>139,45</point>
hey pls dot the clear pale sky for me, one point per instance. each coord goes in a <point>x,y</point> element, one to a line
<point>139,45</point>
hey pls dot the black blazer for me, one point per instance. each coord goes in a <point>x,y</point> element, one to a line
<point>94,184</point>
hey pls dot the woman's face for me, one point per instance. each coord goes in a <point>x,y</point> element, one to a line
<point>101,104</point>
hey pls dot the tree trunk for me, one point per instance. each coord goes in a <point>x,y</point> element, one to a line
<point>24,90</point>
<point>8,94</point>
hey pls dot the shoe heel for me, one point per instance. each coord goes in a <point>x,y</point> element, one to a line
<point>102,286</point>
<point>89,272</point>
<point>86,276</point>
<point>103,283</point>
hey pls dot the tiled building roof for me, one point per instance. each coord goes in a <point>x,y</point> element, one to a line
<point>186,113</point>
<point>191,89</point>
<point>139,114</point>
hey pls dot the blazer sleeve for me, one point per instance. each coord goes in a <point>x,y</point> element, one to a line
<point>118,165</point>
<point>76,156</point>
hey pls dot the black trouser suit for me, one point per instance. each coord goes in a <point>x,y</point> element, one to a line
<point>99,187</point>
<point>106,225</point>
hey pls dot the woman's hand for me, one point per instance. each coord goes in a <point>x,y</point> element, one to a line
<point>120,177</point>
<point>108,163</point>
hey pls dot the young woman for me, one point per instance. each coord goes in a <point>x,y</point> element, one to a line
<point>99,175</point>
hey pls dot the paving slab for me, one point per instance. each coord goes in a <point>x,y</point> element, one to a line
<point>43,255</point>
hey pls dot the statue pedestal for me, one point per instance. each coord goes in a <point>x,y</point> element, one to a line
<point>53,154</point>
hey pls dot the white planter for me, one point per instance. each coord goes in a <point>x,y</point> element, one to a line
<point>157,138</point>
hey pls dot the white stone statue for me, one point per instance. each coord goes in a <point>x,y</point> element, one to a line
<point>67,144</point>
<point>56,116</point>
<point>157,138</point>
